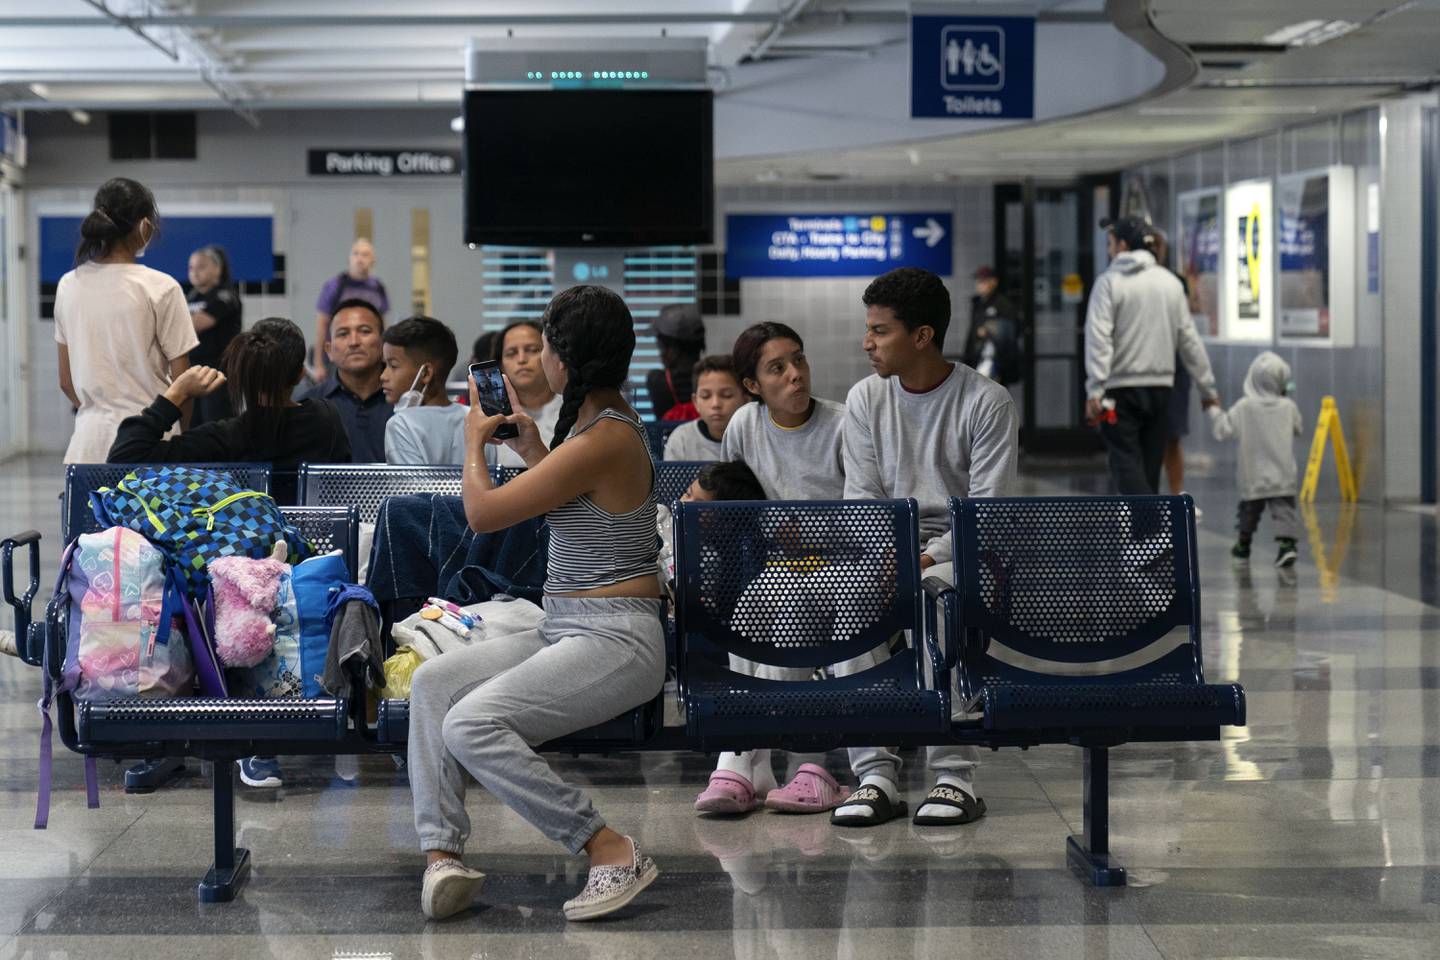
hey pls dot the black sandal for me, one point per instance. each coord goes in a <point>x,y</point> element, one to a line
<point>882,810</point>
<point>971,808</point>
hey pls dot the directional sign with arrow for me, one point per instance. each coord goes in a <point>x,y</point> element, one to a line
<point>932,233</point>
<point>836,244</point>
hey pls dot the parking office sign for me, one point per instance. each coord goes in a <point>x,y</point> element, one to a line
<point>972,67</point>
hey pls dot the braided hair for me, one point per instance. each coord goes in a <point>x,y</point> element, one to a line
<point>120,205</point>
<point>262,365</point>
<point>590,329</point>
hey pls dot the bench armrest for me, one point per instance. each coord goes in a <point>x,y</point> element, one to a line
<point>23,603</point>
<point>940,594</point>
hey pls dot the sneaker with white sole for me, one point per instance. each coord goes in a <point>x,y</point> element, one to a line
<point>448,888</point>
<point>1287,554</point>
<point>260,772</point>
<point>610,888</point>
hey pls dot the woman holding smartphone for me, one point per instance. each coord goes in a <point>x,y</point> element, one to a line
<point>600,651</point>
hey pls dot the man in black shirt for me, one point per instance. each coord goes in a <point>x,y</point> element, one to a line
<point>353,385</point>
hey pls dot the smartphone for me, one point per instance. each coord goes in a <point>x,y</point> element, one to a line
<point>494,399</point>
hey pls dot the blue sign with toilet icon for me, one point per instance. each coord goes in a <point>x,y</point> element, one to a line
<point>972,67</point>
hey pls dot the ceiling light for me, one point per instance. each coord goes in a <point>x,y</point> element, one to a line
<point>1309,33</point>
<point>457,124</point>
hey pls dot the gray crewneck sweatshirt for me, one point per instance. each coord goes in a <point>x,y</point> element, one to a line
<point>957,440</point>
<point>803,463</point>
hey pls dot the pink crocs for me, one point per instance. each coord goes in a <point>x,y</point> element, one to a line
<point>726,793</point>
<point>812,791</point>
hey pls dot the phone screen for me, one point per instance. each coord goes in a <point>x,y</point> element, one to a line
<point>493,399</point>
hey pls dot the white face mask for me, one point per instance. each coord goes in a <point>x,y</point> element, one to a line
<point>144,240</point>
<point>412,397</point>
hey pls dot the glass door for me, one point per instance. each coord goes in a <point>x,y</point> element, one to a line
<point>1045,238</point>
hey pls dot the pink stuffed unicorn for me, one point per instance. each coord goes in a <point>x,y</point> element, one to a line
<point>245,594</point>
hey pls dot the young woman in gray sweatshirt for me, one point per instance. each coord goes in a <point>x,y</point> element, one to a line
<point>793,443</point>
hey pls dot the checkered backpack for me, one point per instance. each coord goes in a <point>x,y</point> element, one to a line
<point>196,515</point>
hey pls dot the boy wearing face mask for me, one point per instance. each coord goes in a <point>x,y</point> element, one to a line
<point>427,427</point>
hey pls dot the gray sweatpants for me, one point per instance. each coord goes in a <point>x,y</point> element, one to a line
<point>885,761</point>
<point>481,711</point>
<point>1282,511</point>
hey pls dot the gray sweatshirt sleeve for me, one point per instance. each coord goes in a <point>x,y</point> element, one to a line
<point>1099,337</point>
<point>994,436</point>
<point>1299,420</point>
<point>1192,350</point>
<point>862,467</point>
<point>1222,426</point>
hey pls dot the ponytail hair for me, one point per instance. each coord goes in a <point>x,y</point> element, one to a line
<point>120,206</point>
<point>262,365</point>
<point>592,332</point>
<point>217,255</point>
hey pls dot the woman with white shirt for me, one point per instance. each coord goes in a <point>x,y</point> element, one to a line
<point>123,330</point>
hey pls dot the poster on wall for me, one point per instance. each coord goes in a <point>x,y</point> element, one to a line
<point>1315,245</point>
<point>1249,242</point>
<point>1197,257</point>
<point>1303,205</point>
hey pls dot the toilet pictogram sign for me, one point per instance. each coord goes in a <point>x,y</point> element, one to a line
<point>973,67</point>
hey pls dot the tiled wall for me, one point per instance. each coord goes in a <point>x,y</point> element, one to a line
<point>1352,374</point>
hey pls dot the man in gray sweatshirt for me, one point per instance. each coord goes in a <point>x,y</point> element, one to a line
<point>1137,322</point>
<point>926,428</point>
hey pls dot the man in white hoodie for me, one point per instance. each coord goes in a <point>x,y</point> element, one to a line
<point>1136,324</point>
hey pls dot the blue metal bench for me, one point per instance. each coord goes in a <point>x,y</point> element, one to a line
<point>1072,621</point>
<point>658,431</point>
<point>1077,621</point>
<point>673,478</point>
<point>83,479</point>
<point>805,584</point>
<point>217,730</point>
<point>365,485</point>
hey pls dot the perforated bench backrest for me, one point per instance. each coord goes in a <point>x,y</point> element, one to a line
<point>797,583</point>
<point>1079,589</point>
<point>83,479</point>
<point>365,485</point>
<point>673,478</point>
<point>330,528</point>
<point>658,431</point>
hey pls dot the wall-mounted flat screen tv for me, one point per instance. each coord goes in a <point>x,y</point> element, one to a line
<point>612,168</point>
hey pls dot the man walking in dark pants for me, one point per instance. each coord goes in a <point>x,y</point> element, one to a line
<point>1136,325</point>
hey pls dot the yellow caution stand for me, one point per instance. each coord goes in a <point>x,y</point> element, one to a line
<point>1328,427</point>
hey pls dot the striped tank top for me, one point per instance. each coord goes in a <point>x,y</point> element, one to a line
<point>591,547</point>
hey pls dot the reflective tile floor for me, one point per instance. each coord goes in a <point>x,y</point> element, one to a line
<point>1312,833</point>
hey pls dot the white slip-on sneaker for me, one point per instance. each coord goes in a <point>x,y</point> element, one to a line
<point>449,887</point>
<point>610,888</point>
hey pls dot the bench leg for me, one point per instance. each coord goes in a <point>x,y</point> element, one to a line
<point>232,864</point>
<point>1090,854</point>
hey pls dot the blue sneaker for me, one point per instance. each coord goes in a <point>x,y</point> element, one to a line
<point>260,772</point>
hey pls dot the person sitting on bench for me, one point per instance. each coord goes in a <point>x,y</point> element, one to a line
<point>925,428</point>
<point>600,651</point>
<point>262,367</point>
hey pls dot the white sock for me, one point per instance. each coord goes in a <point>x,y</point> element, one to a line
<point>884,784</point>
<point>753,765</point>
<point>943,810</point>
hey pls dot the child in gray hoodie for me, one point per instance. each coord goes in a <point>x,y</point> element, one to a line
<point>1266,421</point>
